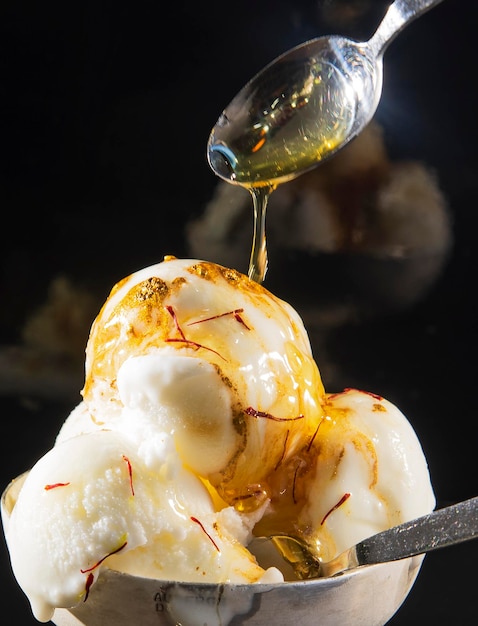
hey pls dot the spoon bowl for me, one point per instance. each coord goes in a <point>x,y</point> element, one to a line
<point>305,105</point>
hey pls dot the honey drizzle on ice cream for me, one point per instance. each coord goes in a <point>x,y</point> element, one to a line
<point>227,326</point>
<point>204,420</point>
<point>136,319</point>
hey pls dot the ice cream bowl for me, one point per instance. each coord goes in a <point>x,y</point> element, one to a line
<point>368,595</point>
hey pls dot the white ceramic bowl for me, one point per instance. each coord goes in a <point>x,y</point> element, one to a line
<point>366,596</point>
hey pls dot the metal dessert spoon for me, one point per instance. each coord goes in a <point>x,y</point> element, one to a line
<point>305,105</point>
<point>443,527</point>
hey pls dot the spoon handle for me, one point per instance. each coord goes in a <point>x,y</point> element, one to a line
<point>443,527</point>
<point>398,15</point>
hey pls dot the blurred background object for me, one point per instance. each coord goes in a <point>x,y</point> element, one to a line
<point>104,130</point>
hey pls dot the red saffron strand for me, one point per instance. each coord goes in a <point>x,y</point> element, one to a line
<point>130,473</point>
<point>345,497</point>
<point>89,581</point>
<point>172,312</point>
<point>347,389</point>
<point>194,345</point>
<point>294,482</point>
<point>253,494</point>
<point>258,145</point>
<point>247,496</point>
<point>283,450</point>
<point>369,393</point>
<point>309,446</point>
<point>195,519</point>
<point>98,563</point>
<point>55,485</point>
<point>239,318</point>
<point>235,313</point>
<point>182,338</point>
<point>255,413</point>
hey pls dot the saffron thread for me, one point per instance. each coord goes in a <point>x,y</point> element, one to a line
<point>294,482</point>
<point>183,339</point>
<point>89,581</point>
<point>235,313</point>
<point>130,473</point>
<point>283,450</point>
<point>314,435</point>
<point>347,389</point>
<point>55,485</point>
<point>255,413</point>
<point>345,497</point>
<point>195,520</point>
<point>90,569</point>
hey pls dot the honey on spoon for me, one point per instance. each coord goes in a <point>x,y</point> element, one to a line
<point>299,111</point>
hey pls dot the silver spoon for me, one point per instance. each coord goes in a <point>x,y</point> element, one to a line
<point>305,105</point>
<point>298,111</point>
<point>443,527</point>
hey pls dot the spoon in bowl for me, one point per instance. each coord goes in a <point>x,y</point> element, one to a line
<point>443,527</point>
<point>305,105</point>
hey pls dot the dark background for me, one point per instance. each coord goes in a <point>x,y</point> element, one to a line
<point>106,110</point>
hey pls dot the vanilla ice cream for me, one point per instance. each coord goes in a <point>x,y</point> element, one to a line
<point>204,422</point>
